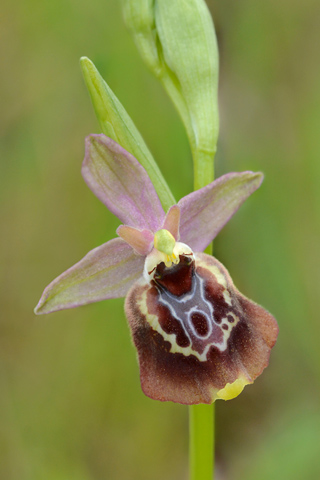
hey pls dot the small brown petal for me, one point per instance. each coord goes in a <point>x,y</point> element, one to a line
<point>172,221</point>
<point>140,240</point>
<point>197,340</point>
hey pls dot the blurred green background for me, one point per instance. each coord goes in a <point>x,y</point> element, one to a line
<point>70,400</point>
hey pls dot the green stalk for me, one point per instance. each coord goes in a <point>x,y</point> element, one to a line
<point>201,417</point>
<point>201,442</point>
<point>203,171</point>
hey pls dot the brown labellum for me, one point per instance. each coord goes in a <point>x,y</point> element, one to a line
<point>198,338</point>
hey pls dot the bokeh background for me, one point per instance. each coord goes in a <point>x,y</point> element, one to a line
<point>70,400</point>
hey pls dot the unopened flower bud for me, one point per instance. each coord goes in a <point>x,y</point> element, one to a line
<point>177,41</point>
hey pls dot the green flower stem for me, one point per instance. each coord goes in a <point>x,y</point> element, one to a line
<point>201,442</point>
<point>203,172</point>
<point>201,417</point>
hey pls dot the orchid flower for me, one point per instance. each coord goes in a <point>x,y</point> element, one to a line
<point>198,338</point>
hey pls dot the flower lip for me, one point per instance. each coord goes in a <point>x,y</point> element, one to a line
<point>156,257</point>
<point>198,338</point>
<point>176,280</point>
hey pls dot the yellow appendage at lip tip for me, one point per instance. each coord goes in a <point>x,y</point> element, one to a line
<point>232,390</point>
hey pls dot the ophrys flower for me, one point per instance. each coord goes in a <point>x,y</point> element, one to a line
<point>198,338</point>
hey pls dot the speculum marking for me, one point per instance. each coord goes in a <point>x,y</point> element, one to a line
<point>191,321</point>
<point>200,324</point>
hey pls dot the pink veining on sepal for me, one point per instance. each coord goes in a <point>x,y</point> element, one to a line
<point>121,183</point>
<point>205,212</point>
<point>105,272</point>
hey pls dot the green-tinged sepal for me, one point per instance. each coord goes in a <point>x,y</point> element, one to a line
<point>177,41</point>
<point>116,124</point>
